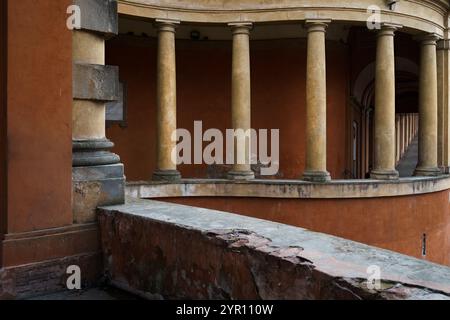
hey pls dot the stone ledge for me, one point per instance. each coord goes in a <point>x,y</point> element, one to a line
<point>171,251</point>
<point>295,189</point>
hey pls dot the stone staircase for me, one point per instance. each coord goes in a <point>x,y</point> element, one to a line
<point>408,162</point>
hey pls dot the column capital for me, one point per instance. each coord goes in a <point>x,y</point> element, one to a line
<point>388,29</point>
<point>428,39</point>
<point>317,25</point>
<point>241,27</point>
<point>167,25</point>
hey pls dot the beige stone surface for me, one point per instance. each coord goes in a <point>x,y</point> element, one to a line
<point>88,117</point>
<point>241,98</point>
<point>316,101</point>
<point>88,120</point>
<point>443,55</point>
<point>384,133</point>
<point>88,48</point>
<point>88,123</point>
<point>294,189</point>
<point>410,14</point>
<point>166,95</point>
<point>428,107</point>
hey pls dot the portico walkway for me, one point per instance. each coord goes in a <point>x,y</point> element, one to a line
<point>408,163</point>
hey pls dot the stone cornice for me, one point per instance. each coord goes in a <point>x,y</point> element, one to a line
<point>415,15</point>
<point>442,6</point>
<point>249,5</point>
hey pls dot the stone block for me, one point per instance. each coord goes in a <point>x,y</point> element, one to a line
<point>99,16</point>
<point>95,82</point>
<point>96,186</point>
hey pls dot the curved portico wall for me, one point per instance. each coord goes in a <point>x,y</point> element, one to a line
<point>414,15</point>
<point>278,71</point>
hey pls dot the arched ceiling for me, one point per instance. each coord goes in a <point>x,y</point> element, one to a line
<point>406,83</point>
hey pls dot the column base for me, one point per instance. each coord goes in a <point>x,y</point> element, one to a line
<point>316,176</point>
<point>93,153</point>
<point>384,175</point>
<point>97,178</point>
<point>445,169</point>
<point>166,175</point>
<point>95,186</point>
<point>427,172</point>
<point>241,175</point>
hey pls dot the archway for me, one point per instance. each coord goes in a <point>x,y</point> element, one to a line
<point>361,117</point>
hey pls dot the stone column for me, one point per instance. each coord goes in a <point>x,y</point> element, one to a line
<point>397,138</point>
<point>166,102</point>
<point>241,101</point>
<point>402,135</point>
<point>411,126</point>
<point>415,124</point>
<point>316,103</point>
<point>406,134</point>
<point>408,126</point>
<point>428,165</point>
<point>384,133</point>
<point>98,175</point>
<point>443,72</point>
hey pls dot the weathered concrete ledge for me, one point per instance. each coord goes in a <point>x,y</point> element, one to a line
<point>168,251</point>
<point>296,189</point>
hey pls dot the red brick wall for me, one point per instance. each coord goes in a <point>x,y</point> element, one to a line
<point>3,25</point>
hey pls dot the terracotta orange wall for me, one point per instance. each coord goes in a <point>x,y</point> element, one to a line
<point>204,88</point>
<point>3,24</point>
<point>39,115</point>
<point>396,224</point>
